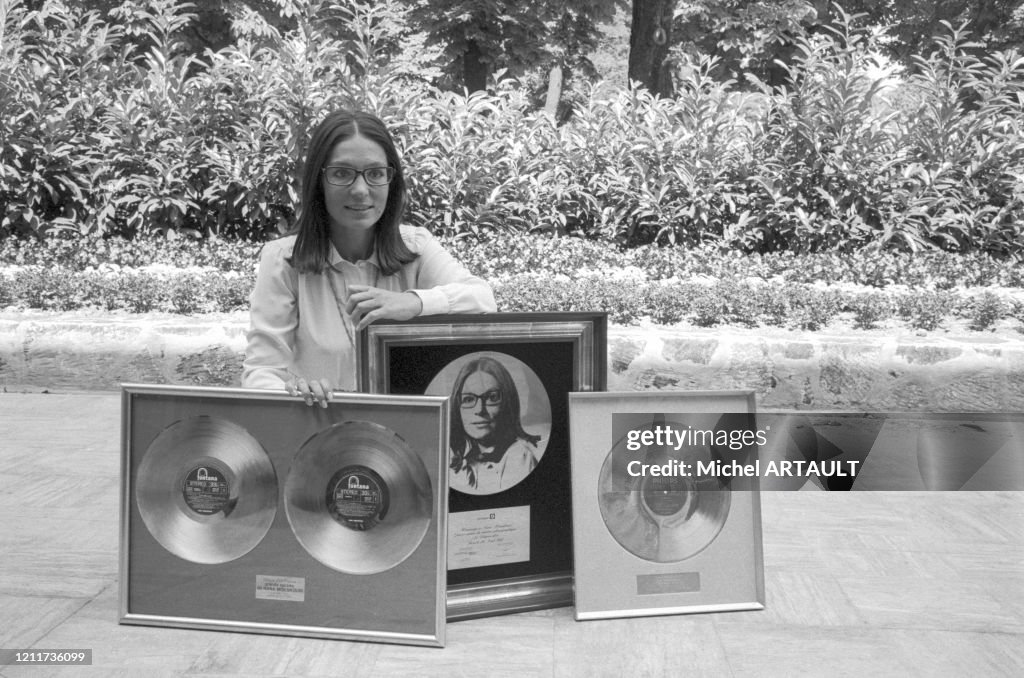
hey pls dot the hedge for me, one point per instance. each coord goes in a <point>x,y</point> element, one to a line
<point>105,132</point>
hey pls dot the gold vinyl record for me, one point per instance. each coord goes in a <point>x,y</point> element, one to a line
<point>357,498</point>
<point>662,518</point>
<point>206,490</point>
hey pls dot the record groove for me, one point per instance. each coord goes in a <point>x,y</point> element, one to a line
<point>206,490</point>
<point>662,519</point>
<point>358,498</point>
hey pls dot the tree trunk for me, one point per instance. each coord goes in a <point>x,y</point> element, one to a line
<point>647,53</point>
<point>474,70</point>
<point>554,91</point>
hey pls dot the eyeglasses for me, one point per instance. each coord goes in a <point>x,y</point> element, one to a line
<point>338,175</point>
<point>468,400</point>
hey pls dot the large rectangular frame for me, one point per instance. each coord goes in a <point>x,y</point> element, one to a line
<point>672,538</point>
<point>174,568</point>
<point>567,352</point>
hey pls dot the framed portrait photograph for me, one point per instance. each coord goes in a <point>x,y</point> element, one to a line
<point>666,503</point>
<point>246,510</point>
<point>508,377</point>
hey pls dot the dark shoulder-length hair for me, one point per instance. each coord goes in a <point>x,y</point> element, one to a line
<point>313,242</point>
<point>508,426</point>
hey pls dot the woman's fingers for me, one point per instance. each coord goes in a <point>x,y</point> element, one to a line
<point>367,304</point>
<point>312,391</point>
<point>321,391</point>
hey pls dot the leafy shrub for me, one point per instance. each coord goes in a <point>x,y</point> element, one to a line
<point>925,310</point>
<point>626,297</point>
<point>986,309</point>
<point>527,293</point>
<point>811,308</point>
<point>709,310</point>
<point>107,133</point>
<point>669,304</point>
<point>502,254</point>
<point>47,289</point>
<point>1018,313</point>
<point>869,309</point>
<point>92,251</point>
<point>773,302</point>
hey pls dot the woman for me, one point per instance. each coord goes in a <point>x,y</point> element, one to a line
<point>348,262</point>
<point>490,450</point>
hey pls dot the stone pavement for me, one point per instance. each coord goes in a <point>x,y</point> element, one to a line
<point>870,583</point>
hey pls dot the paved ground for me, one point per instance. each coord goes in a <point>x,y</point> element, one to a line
<point>872,583</point>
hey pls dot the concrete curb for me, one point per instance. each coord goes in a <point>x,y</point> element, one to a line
<point>871,371</point>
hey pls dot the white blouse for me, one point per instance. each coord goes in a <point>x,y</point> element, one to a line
<point>496,476</point>
<point>297,326</point>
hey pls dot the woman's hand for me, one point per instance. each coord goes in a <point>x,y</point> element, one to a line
<point>366,304</point>
<point>311,390</point>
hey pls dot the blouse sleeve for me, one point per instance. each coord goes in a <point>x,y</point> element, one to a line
<point>443,284</point>
<point>273,317</point>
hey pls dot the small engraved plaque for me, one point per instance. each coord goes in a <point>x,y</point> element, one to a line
<point>280,588</point>
<point>488,537</point>
<point>676,582</point>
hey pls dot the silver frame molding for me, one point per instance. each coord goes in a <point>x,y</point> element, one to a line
<point>291,421</point>
<point>375,378</point>
<point>728,570</point>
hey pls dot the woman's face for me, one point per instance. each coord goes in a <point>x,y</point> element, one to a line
<point>356,208</point>
<point>479,403</point>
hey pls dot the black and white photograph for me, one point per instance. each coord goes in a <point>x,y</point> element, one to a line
<point>500,424</point>
<point>502,204</point>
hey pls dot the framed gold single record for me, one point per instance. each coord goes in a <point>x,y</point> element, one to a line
<point>666,503</point>
<point>247,510</point>
<point>508,377</point>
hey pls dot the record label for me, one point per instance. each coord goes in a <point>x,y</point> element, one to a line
<point>357,497</point>
<point>206,490</point>
<point>664,497</point>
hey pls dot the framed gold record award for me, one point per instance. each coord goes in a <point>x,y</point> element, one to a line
<point>246,510</point>
<point>509,377</point>
<point>666,503</point>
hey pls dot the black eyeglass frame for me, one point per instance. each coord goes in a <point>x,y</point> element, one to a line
<point>492,397</point>
<point>389,171</point>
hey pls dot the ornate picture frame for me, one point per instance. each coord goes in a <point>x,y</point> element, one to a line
<point>510,525</point>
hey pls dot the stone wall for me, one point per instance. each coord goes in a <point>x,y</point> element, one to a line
<point>869,371</point>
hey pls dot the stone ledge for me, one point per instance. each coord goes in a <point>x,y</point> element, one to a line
<point>871,371</point>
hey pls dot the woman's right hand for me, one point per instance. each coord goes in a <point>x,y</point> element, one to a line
<point>311,390</point>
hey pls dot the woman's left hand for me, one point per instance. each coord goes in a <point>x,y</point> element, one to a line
<point>366,304</point>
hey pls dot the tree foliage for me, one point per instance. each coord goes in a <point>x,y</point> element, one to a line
<point>758,37</point>
<point>910,24</point>
<point>482,37</point>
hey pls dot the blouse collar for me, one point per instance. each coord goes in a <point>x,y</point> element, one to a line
<point>336,261</point>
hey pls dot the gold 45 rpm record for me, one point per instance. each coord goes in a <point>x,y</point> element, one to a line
<point>357,498</point>
<point>662,519</point>
<point>206,490</point>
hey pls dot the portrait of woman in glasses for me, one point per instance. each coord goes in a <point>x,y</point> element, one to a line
<point>348,261</point>
<point>491,450</point>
